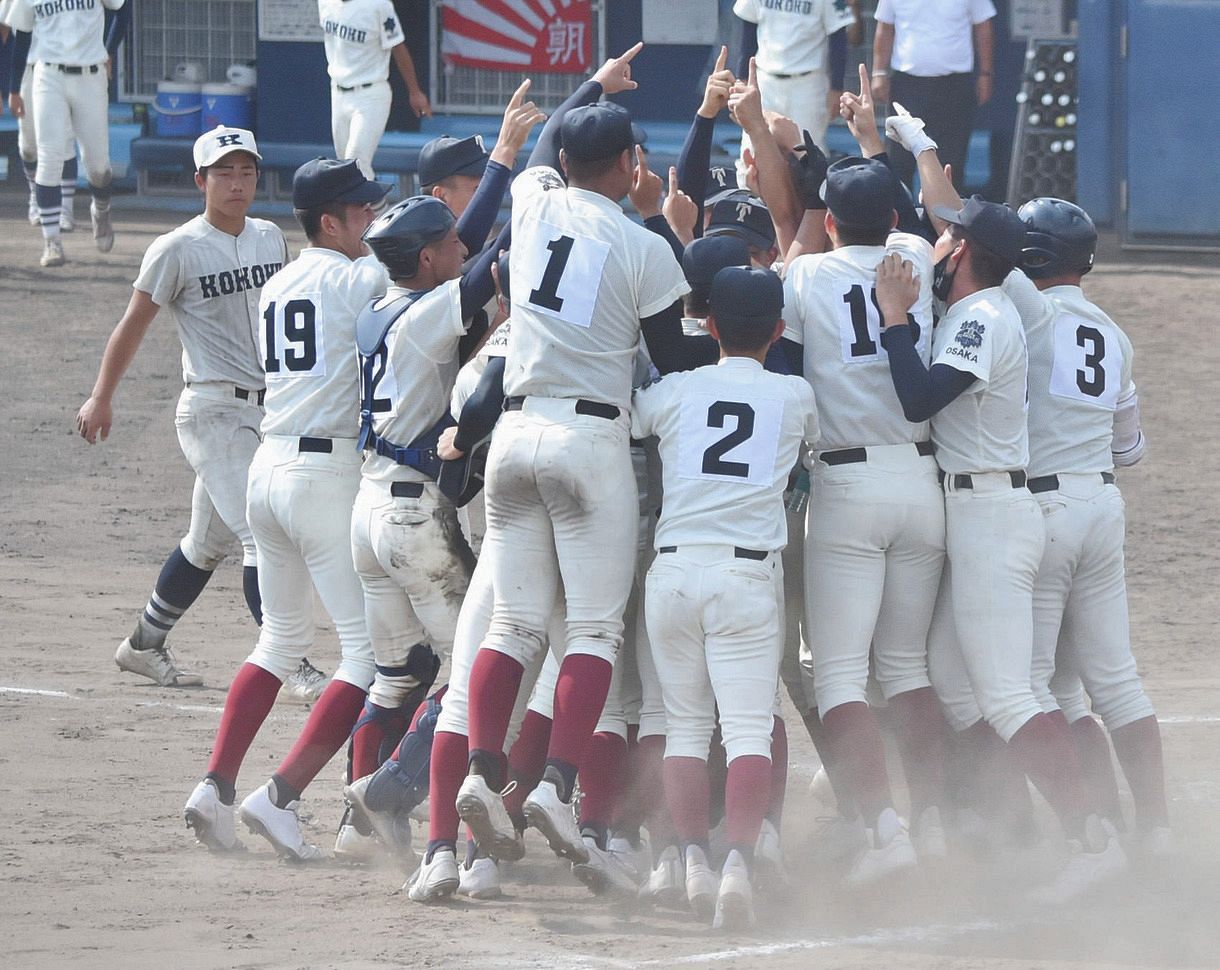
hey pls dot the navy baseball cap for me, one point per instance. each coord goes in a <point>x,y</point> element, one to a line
<point>861,193</point>
<point>746,295</point>
<point>704,258</point>
<point>721,182</point>
<point>323,180</point>
<point>995,227</point>
<point>744,215</point>
<point>446,155</point>
<point>596,131</point>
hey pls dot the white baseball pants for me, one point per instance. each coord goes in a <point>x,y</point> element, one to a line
<point>714,621</point>
<point>296,505</point>
<point>357,122</point>
<point>1080,602</point>
<point>796,665</point>
<point>803,99</point>
<point>980,646</point>
<point>219,434</point>
<point>65,104</point>
<point>874,551</point>
<point>561,508</point>
<point>415,566</point>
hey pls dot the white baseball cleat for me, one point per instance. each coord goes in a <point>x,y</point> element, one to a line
<point>53,253</point>
<point>212,820</point>
<point>823,791</point>
<point>279,826</point>
<point>837,838</point>
<point>928,836</point>
<point>666,885</point>
<point>887,850</point>
<point>305,684</point>
<point>155,663</point>
<point>483,811</point>
<point>103,229</point>
<point>702,884</point>
<point>551,816</point>
<point>735,900</point>
<point>604,873</point>
<point>394,831</point>
<point>355,847</point>
<point>436,877</point>
<point>1093,860</point>
<point>769,859</point>
<point>635,857</point>
<point>479,879</point>
<point>67,219</point>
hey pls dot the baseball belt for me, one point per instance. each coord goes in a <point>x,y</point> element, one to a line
<point>1050,483</point>
<point>244,395</point>
<point>738,553</point>
<point>407,489</point>
<point>785,77</point>
<point>354,87</point>
<point>74,68</point>
<point>967,481</point>
<point>320,446</point>
<point>594,408</point>
<point>849,456</point>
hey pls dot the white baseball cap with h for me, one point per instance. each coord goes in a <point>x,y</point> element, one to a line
<point>212,146</point>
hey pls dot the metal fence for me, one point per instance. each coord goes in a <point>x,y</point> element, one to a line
<point>166,33</point>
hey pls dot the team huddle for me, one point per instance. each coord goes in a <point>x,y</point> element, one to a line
<point>804,433</point>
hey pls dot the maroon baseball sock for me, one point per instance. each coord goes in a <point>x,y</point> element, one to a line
<point>920,732</point>
<point>601,779</point>
<point>746,796</point>
<point>249,701</point>
<point>856,742</point>
<point>779,770</point>
<point>445,775</point>
<point>1093,749</point>
<point>329,725</point>
<point>526,761</point>
<point>495,679</point>
<point>821,743</point>
<point>1044,751</point>
<point>580,695</point>
<point>686,795</point>
<point>1138,746</point>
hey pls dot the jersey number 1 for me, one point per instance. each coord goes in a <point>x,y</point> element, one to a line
<point>547,294</point>
<point>864,345</point>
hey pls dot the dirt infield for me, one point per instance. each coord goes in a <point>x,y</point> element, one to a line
<point>97,869</point>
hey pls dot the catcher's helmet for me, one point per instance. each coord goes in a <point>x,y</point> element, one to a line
<point>1060,238</point>
<point>397,235</point>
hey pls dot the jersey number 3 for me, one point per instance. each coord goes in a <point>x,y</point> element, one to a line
<point>1088,362</point>
<point>291,341</point>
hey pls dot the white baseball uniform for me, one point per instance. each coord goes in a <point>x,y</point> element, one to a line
<point>408,548</point>
<point>561,498</point>
<point>793,57</point>
<point>729,435</point>
<point>305,474</point>
<point>981,641</point>
<point>874,542</point>
<point>211,282</point>
<point>1080,366</point>
<point>69,87</point>
<point>358,36</point>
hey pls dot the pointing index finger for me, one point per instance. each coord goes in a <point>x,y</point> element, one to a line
<point>673,180</point>
<point>519,94</point>
<point>865,87</point>
<point>721,60</point>
<point>753,78</point>
<point>627,55</point>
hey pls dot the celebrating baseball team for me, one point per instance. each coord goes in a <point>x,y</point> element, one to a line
<point>580,492</point>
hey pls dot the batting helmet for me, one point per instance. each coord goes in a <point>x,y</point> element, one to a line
<point>1060,239</point>
<point>397,236</point>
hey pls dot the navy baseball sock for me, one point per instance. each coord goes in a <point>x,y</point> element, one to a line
<point>67,184</point>
<point>561,774</point>
<point>225,788</point>
<point>254,599</point>
<point>101,195</point>
<point>492,765</point>
<point>435,844</point>
<point>178,586</point>
<point>49,204</point>
<point>282,793</point>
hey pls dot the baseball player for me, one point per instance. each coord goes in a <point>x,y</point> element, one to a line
<point>710,602</point>
<point>1084,420</point>
<point>875,533</point>
<point>981,640</point>
<point>70,78</point>
<point>560,487</point>
<point>209,272</point>
<point>360,37</point>
<point>792,52</point>
<point>303,478</point>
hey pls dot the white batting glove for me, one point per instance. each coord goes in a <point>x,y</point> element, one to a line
<point>907,130</point>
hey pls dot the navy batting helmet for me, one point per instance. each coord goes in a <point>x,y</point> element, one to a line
<point>1060,239</point>
<point>397,235</point>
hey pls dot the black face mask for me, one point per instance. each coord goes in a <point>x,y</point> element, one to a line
<point>942,279</point>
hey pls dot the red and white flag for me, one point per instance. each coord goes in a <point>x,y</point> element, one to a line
<point>543,36</point>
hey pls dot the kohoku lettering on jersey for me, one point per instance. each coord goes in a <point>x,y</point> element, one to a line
<point>830,307</point>
<point>1080,365</point>
<point>308,342</point>
<point>729,435</point>
<point>211,282</point>
<point>358,36</point>
<point>64,31</point>
<point>583,277</point>
<point>793,34</point>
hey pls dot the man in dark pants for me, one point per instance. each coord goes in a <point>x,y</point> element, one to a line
<point>934,57</point>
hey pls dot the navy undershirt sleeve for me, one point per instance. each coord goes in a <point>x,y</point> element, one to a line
<point>693,163</point>
<point>21,54</point>
<point>475,223</point>
<point>838,58</point>
<point>477,286</point>
<point>660,225</point>
<point>482,408</point>
<point>921,391</point>
<point>749,47</point>
<point>794,355</point>
<point>116,30</point>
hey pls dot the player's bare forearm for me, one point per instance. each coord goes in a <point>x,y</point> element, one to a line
<point>776,189</point>
<point>883,50</point>
<point>95,416</point>
<point>415,94</point>
<point>810,236</point>
<point>984,57</point>
<point>935,186</point>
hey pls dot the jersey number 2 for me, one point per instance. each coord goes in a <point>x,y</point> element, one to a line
<point>713,457</point>
<point>300,328</point>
